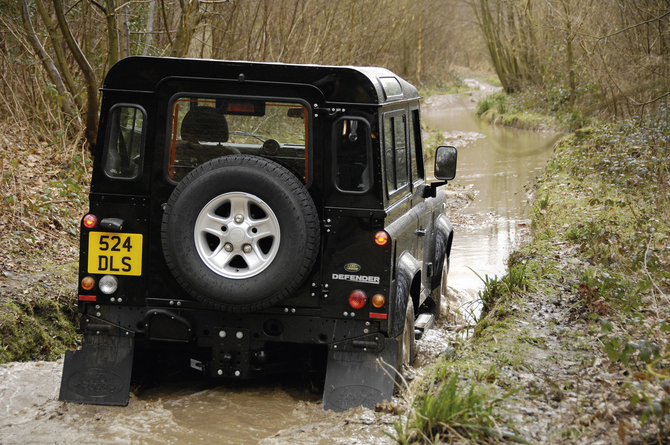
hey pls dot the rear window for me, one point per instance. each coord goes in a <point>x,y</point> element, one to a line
<point>203,128</point>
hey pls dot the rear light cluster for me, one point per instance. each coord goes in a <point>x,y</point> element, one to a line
<point>108,284</point>
<point>358,298</point>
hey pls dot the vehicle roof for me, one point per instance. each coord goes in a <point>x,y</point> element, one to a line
<point>338,84</point>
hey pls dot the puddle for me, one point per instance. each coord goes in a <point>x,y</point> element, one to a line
<point>496,163</point>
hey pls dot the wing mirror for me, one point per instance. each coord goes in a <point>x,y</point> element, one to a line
<point>445,163</point>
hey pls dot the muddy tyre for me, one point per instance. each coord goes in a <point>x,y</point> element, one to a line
<point>440,284</point>
<point>440,292</point>
<point>240,233</point>
<point>407,343</point>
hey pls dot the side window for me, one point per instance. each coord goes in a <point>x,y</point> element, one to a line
<point>416,149</point>
<point>204,128</point>
<point>401,172</point>
<point>395,152</point>
<point>351,164</point>
<point>389,154</point>
<point>125,141</point>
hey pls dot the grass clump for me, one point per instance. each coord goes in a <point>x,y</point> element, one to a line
<point>452,411</point>
<point>498,293</point>
<point>452,83</point>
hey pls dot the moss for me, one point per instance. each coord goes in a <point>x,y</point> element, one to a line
<point>39,329</point>
<point>38,317</point>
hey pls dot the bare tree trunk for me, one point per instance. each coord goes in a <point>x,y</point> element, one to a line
<point>112,31</point>
<point>419,45</point>
<point>124,32</point>
<point>61,60</point>
<point>188,20</point>
<point>89,77</point>
<point>150,27</point>
<point>49,66</point>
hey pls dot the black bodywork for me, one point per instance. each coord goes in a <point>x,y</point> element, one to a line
<point>355,194</point>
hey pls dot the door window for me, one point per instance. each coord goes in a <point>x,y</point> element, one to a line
<point>351,163</point>
<point>125,141</point>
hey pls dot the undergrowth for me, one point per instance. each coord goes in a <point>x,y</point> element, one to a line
<point>604,202</point>
<point>606,194</point>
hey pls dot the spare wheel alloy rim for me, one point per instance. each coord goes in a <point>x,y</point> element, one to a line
<point>237,235</point>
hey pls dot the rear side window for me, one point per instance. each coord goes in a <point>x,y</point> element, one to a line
<point>352,155</point>
<point>416,151</point>
<point>204,128</point>
<point>395,152</point>
<point>125,142</point>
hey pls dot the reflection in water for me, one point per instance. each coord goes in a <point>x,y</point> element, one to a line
<point>497,167</point>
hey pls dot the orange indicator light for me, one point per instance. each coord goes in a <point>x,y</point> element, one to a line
<point>378,300</point>
<point>87,283</point>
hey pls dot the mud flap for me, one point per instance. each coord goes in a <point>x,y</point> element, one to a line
<point>356,378</point>
<point>99,373</point>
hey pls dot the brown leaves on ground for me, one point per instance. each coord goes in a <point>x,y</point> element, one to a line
<point>590,297</point>
<point>43,191</point>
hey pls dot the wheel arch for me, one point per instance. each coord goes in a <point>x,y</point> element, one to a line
<point>444,235</point>
<point>407,285</point>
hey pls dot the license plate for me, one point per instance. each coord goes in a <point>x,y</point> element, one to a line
<point>115,253</point>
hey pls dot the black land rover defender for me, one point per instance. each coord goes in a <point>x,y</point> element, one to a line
<point>243,211</point>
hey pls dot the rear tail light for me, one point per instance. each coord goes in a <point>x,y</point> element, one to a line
<point>90,221</point>
<point>381,238</point>
<point>357,299</point>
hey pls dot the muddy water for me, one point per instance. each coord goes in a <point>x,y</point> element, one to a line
<point>494,163</point>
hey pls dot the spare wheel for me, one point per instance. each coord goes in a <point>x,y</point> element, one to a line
<point>240,233</point>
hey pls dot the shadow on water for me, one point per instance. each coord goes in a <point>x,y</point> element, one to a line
<point>497,164</point>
